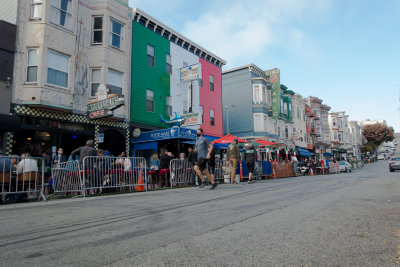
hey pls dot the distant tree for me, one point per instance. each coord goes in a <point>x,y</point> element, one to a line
<point>376,134</point>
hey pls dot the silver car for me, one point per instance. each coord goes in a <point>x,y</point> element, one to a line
<point>394,164</point>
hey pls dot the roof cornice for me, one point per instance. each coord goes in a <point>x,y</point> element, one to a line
<point>139,14</point>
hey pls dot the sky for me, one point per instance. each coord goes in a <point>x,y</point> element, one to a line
<point>345,52</point>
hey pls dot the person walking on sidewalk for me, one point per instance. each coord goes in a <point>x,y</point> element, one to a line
<point>233,155</point>
<point>250,157</point>
<point>203,154</point>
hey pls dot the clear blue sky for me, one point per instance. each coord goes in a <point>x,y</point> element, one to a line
<point>344,52</point>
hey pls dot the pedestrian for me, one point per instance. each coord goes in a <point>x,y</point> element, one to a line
<point>203,154</point>
<point>192,158</point>
<point>250,157</point>
<point>211,161</point>
<point>60,157</point>
<point>233,156</point>
<point>84,151</point>
<point>294,164</point>
<point>165,159</point>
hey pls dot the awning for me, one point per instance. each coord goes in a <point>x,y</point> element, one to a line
<point>144,146</point>
<point>266,143</point>
<point>10,123</point>
<point>303,152</point>
<point>166,134</point>
<point>328,154</point>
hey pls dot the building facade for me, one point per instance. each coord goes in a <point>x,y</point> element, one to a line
<point>356,139</point>
<point>73,57</point>
<point>158,55</point>
<point>340,137</point>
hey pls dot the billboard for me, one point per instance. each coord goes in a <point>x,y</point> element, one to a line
<point>192,119</point>
<point>274,78</point>
<point>190,73</point>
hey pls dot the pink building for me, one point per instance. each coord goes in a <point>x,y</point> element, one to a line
<point>211,99</point>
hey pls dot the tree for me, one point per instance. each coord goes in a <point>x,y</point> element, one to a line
<point>376,134</point>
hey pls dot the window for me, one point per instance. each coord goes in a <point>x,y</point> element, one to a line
<point>269,101</point>
<point>256,93</point>
<point>116,36</point>
<point>212,118</point>
<point>150,100</point>
<point>281,106</point>
<point>286,132</point>
<point>36,9</point>
<point>96,74</point>
<point>298,113</point>
<point>258,122</point>
<point>169,105</point>
<point>115,82</point>
<point>335,135</point>
<point>211,83</point>
<point>150,55</point>
<point>334,122</point>
<point>32,65</point>
<point>168,66</point>
<point>57,69</point>
<point>97,37</point>
<point>60,12</point>
<point>264,94</point>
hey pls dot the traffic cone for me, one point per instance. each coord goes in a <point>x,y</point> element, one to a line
<point>273,173</point>
<point>323,170</point>
<point>241,171</point>
<point>312,173</point>
<point>140,187</point>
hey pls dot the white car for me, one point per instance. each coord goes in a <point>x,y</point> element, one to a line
<point>381,157</point>
<point>344,166</point>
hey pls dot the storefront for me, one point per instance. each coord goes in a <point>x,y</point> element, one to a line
<point>176,140</point>
<point>44,130</point>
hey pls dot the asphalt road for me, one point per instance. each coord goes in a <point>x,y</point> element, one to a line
<point>349,219</point>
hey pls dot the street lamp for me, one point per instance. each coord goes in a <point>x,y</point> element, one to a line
<point>227,116</point>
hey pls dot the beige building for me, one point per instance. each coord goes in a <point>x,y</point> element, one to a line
<point>340,135</point>
<point>67,50</point>
<point>356,139</point>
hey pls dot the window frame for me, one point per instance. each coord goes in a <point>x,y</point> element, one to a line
<point>97,30</point>
<point>149,90</point>
<point>91,80</point>
<point>28,66</point>
<point>212,118</point>
<point>47,72</point>
<point>64,11</point>
<point>167,64</point>
<point>211,80</point>
<point>108,81</point>
<point>33,4</point>
<point>152,56</point>
<point>121,36</point>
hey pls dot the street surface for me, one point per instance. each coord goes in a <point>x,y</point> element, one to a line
<point>348,219</point>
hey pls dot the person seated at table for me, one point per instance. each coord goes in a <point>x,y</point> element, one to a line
<point>165,159</point>
<point>6,165</point>
<point>154,162</point>
<point>27,164</point>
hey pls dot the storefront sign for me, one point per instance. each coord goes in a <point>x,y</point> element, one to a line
<point>103,108</point>
<point>171,133</point>
<point>274,77</point>
<point>190,73</point>
<point>192,119</point>
<point>100,138</point>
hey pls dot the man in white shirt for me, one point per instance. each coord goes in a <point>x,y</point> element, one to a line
<point>27,164</point>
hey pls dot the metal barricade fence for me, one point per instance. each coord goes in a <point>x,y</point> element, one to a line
<point>67,177</point>
<point>22,175</point>
<point>111,173</point>
<point>181,172</point>
<point>223,170</point>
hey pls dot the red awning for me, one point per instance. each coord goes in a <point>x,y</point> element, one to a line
<point>227,139</point>
<point>266,143</point>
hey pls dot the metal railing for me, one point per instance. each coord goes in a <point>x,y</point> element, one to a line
<point>22,175</point>
<point>67,178</point>
<point>181,172</point>
<point>112,173</point>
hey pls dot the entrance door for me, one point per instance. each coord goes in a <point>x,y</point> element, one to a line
<point>114,142</point>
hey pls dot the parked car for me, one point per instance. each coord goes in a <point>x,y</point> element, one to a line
<point>381,157</point>
<point>394,164</point>
<point>344,166</point>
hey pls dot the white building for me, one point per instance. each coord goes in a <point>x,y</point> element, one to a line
<point>66,51</point>
<point>299,121</point>
<point>356,139</point>
<point>340,135</point>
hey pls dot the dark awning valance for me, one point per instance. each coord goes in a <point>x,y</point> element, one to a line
<point>9,123</point>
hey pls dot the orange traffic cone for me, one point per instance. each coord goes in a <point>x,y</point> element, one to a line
<point>323,170</point>
<point>140,187</point>
<point>312,172</point>
<point>273,173</point>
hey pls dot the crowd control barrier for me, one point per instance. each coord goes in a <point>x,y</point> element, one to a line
<point>181,172</point>
<point>22,175</point>
<point>112,173</point>
<point>67,177</point>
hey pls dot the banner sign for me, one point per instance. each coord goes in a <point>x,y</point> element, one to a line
<point>103,108</point>
<point>171,133</point>
<point>274,77</point>
<point>192,119</point>
<point>190,73</point>
<point>333,167</point>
